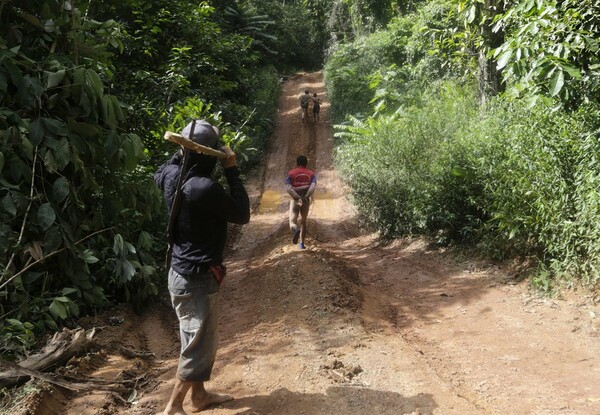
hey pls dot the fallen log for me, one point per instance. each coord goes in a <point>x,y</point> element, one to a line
<point>62,347</point>
<point>89,385</point>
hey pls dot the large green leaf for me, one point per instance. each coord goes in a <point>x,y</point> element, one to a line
<point>54,78</point>
<point>62,154</point>
<point>17,168</point>
<point>55,126</point>
<point>60,189</point>
<point>29,91</point>
<point>50,161</point>
<point>1,161</point>
<point>3,86</point>
<point>58,309</point>
<point>108,111</point>
<point>118,244</point>
<point>69,290</point>
<point>16,76</point>
<point>127,271</point>
<point>504,58</point>
<point>145,241</point>
<point>46,216</point>
<point>53,239</point>
<point>31,19</point>
<point>81,279</point>
<point>7,204</point>
<point>88,256</point>
<point>571,70</point>
<point>27,147</point>
<point>134,150</point>
<point>95,83</point>
<point>557,82</point>
<point>83,129</point>
<point>111,143</point>
<point>36,131</point>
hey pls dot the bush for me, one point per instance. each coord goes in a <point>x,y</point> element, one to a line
<point>401,167</point>
<point>421,158</point>
<point>349,69</point>
<point>541,178</point>
<point>522,181</point>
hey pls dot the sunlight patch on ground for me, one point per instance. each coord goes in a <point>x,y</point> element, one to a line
<point>271,201</point>
<point>323,195</point>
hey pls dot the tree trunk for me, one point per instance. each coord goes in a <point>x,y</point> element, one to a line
<point>489,76</point>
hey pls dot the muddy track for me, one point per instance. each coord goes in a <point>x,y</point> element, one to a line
<point>351,325</point>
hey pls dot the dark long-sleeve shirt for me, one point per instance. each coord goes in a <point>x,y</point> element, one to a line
<point>205,209</point>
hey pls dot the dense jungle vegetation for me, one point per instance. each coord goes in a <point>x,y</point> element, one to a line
<point>478,122</point>
<point>472,121</point>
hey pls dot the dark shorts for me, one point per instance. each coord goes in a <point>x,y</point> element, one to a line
<point>195,300</point>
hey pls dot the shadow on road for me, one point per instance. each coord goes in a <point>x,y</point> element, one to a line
<point>336,401</point>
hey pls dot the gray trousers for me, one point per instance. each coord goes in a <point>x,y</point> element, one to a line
<point>195,299</point>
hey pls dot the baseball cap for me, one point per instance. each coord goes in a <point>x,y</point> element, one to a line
<point>204,133</point>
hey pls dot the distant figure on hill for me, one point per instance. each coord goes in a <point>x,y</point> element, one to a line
<point>304,101</point>
<point>316,107</point>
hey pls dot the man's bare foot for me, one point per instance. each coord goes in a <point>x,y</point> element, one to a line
<point>177,412</point>
<point>209,399</point>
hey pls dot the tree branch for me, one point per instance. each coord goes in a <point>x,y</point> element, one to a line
<point>32,188</point>
<point>49,255</point>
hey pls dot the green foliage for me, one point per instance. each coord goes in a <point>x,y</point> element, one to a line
<point>245,20</point>
<point>68,176</point>
<point>349,20</point>
<point>16,337</point>
<point>552,49</point>
<point>85,103</point>
<point>543,185</point>
<point>354,65</point>
<point>439,46</point>
<point>544,48</point>
<point>248,139</point>
<point>299,36</point>
<point>404,169</point>
<point>519,176</point>
<point>397,63</point>
<point>521,181</point>
<point>196,56</point>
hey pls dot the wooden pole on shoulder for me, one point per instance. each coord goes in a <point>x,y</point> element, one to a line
<point>198,148</point>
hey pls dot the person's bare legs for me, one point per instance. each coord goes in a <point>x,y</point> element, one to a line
<point>293,215</point>
<point>175,404</point>
<point>303,220</point>
<point>201,399</point>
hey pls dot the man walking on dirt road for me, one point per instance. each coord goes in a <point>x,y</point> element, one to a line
<point>300,184</point>
<point>316,107</point>
<point>196,270</point>
<point>305,99</point>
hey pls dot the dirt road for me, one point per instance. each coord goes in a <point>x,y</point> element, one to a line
<point>351,326</point>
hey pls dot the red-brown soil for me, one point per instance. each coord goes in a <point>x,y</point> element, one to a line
<point>350,325</point>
